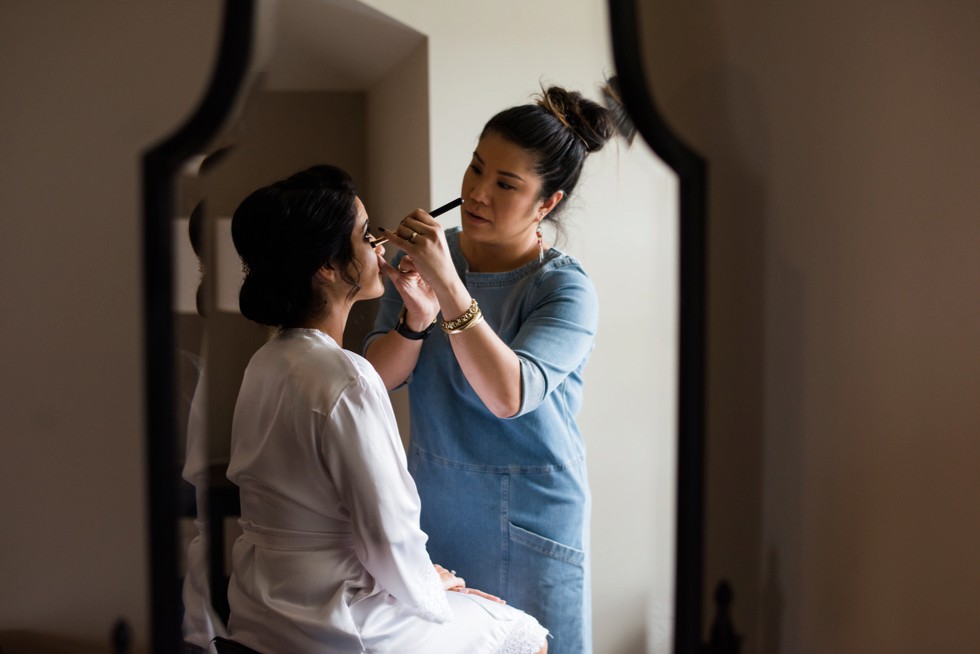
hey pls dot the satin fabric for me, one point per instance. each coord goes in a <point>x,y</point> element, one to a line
<point>332,558</point>
<point>200,623</point>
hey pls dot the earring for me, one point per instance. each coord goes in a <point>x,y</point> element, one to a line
<point>540,245</point>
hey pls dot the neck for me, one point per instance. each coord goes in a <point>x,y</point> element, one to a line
<point>332,324</point>
<point>498,257</point>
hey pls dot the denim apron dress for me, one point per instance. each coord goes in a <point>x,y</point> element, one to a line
<point>506,502</point>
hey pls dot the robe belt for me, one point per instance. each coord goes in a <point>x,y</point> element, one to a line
<point>285,539</point>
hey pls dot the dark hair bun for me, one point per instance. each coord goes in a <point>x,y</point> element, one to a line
<point>264,293</point>
<point>589,120</point>
<point>262,300</point>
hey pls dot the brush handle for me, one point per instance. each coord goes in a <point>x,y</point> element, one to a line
<point>446,207</point>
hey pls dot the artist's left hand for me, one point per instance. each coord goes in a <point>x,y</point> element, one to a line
<point>420,301</point>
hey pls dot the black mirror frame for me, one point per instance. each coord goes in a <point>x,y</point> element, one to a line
<point>691,171</point>
<point>160,166</point>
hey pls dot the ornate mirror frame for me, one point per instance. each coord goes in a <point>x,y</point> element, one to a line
<point>161,164</point>
<point>691,172</point>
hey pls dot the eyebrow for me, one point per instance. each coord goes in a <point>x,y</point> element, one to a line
<point>499,172</point>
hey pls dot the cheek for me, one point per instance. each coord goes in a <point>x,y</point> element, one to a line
<point>370,262</point>
<point>519,208</point>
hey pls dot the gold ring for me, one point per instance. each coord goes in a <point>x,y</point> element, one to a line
<point>411,239</point>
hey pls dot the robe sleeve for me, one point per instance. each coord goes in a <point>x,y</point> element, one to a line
<point>364,456</point>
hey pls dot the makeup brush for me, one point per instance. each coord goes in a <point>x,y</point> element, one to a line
<point>438,211</point>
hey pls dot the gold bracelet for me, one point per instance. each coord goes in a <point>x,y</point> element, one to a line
<point>471,318</point>
<point>473,322</point>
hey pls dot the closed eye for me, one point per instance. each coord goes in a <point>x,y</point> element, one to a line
<point>374,241</point>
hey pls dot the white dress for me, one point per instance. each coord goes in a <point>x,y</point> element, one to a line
<point>332,558</point>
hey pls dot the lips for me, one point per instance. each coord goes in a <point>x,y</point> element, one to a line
<point>473,216</point>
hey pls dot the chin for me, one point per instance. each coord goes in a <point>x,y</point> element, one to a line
<point>377,289</point>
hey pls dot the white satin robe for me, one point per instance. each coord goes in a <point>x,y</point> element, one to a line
<point>332,558</point>
<point>201,622</point>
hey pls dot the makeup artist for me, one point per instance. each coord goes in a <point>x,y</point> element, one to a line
<point>491,327</point>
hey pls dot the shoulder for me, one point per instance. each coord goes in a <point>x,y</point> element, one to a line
<point>362,370</point>
<point>563,288</point>
<point>562,273</point>
<point>316,367</point>
<point>317,354</point>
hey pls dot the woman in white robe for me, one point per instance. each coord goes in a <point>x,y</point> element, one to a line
<point>332,558</point>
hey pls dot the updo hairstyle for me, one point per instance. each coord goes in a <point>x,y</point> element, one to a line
<point>559,130</point>
<point>284,233</point>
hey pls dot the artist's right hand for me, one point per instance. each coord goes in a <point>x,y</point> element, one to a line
<point>422,238</point>
<point>420,301</point>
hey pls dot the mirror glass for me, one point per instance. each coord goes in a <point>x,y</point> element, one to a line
<point>397,93</point>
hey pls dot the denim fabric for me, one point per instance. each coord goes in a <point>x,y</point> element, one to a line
<point>506,502</point>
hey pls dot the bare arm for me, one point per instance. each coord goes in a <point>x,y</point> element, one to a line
<point>490,366</point>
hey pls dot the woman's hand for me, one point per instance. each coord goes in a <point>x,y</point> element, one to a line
<point>424,242</point>
<point>458,585</point>
<point>449,579</point>
<point>420,301</point>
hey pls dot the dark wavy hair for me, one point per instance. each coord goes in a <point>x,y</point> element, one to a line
<point>284,233</point>
<point>560,130</point>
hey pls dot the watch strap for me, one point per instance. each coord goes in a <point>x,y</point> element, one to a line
<point>408,333</point>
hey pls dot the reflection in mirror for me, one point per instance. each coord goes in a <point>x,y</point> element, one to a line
<point>391,92</point>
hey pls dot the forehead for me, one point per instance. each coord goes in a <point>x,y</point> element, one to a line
<point>501,154</point>
<point>361,211</point>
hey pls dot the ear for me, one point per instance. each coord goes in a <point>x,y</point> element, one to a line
<point>326,274</point>
<point>550,203</point>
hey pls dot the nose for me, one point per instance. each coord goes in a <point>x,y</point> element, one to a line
<point>479,192</point>
<point>380,249</point>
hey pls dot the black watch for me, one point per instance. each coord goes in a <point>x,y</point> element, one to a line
<point>403,329</point>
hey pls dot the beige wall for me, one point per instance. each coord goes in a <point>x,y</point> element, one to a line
<point>398,162</point>
<point>86,87</point>
<point>844,359</point>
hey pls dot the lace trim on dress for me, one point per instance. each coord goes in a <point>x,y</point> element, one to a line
<point>527,637</point>
<point>432,603</point>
